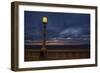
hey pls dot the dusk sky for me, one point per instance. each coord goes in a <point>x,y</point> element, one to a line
<point>69,26</point>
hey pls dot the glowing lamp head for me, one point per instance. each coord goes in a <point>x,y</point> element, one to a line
<point>44,20</point>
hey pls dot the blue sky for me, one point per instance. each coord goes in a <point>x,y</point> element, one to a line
<point>60,25</point>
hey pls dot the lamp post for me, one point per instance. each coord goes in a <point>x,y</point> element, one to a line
<point>43,51</point>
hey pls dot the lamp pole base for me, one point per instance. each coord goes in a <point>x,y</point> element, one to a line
<point>43,54</point>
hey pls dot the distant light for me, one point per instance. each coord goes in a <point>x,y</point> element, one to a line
<point>69,38</point>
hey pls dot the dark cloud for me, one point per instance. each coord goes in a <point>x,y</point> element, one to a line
<point>60,25</point>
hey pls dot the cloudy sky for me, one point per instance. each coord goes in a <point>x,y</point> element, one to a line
<point>73,26</point>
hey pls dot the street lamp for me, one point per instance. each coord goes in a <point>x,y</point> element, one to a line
<point>43,51</point>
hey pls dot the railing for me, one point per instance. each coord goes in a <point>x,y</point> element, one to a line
<point>34,55</point>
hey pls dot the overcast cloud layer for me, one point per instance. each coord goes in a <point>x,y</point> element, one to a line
<point>60,26</point>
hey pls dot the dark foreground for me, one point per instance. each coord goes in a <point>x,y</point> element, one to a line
<point>57,52</point>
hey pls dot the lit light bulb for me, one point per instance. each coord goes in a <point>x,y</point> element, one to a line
<point>44,20</point>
